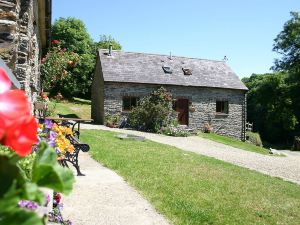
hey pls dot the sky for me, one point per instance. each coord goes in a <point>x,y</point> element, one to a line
<point>243,30</point>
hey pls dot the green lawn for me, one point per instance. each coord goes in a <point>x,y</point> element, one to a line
<point>234,143</point>
<point>192,189</point>
<point>77,108</point>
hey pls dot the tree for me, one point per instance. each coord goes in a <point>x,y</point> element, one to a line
<point>270,106</point>
<point>72,34</point>
<point>287,43</point>
<point>106,40</point>
<point>73,37</point>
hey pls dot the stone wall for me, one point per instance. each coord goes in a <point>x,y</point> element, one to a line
<point>97,107</point>
<point>202,99</point>
<point>19,42</point>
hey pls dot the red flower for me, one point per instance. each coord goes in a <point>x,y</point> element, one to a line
<point>13,105</point>
<point>55,42</point>
<point>22,135</point>
<point>58,198</point>
<point>18,129</point>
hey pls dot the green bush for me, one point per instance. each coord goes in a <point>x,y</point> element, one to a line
<point>254,138</point>
<point>152,112</point>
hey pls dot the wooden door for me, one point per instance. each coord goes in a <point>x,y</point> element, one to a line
<point>182,107</point>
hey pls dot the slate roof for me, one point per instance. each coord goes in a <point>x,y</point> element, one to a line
<point>147,68</point>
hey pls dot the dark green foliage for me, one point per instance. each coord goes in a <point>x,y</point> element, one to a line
<point>46,172</point>
<point>153,111</point>
<point>72,34</point>
<point>287,43</point>
<point>270,107</point>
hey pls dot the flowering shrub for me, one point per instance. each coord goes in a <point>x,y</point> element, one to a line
<point>19,189</point>
<point>175,131</point>
<point>153,111</point>
<point>55,136</point>
<point>56,66</point>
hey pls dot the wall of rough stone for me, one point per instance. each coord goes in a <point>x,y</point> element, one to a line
<point>202,99</point>
<point>19,42</point>
<point>97,107</point>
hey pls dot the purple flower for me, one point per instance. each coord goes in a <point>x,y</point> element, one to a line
<point>48,199</point>
<point>27,204</point>
<point>48,124</point>
<point>52,135</point>
<point>51,143</point>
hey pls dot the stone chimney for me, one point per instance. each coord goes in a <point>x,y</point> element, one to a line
<point>110,50</point>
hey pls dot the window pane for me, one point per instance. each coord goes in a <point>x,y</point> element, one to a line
<point>129,103</point>
<point>126,103</point>
<point>222,107</point>
<point>218,106</point>
<point>225,107</point>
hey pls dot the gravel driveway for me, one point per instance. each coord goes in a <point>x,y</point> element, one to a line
<point>287,167</point>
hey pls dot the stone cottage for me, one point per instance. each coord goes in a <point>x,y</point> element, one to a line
<point>205,91</point>
<point>24,33</point>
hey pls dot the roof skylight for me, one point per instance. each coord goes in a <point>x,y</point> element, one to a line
<point>187,71</point>
<point>167,69</point>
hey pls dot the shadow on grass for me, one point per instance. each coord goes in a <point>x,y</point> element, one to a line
<point>72,115</point>
<point>80,101</point>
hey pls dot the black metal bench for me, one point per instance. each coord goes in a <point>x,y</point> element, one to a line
<point>74,139</point>
<point>73,157</point>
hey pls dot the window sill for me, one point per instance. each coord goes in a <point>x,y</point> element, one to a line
<point>222,114</point>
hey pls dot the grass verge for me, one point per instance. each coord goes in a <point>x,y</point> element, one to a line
<point>193,189</point>
<point>234,143</point>
<point>77,108</point>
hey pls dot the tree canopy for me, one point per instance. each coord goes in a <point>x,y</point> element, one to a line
<point>72,34</point>
<point>270,106</point>
<point>287,43</point>
<point>274,99</point>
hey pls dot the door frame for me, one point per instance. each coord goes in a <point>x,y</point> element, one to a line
<point>185,109</point>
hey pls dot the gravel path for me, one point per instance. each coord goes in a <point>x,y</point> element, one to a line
<point>287,167</point>
<point>103,198</point>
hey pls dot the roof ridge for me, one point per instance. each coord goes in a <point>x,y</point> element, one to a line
<point>159,54</point>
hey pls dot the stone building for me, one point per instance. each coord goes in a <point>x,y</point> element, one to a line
<point>24,33</point>
<point>205,91</point>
